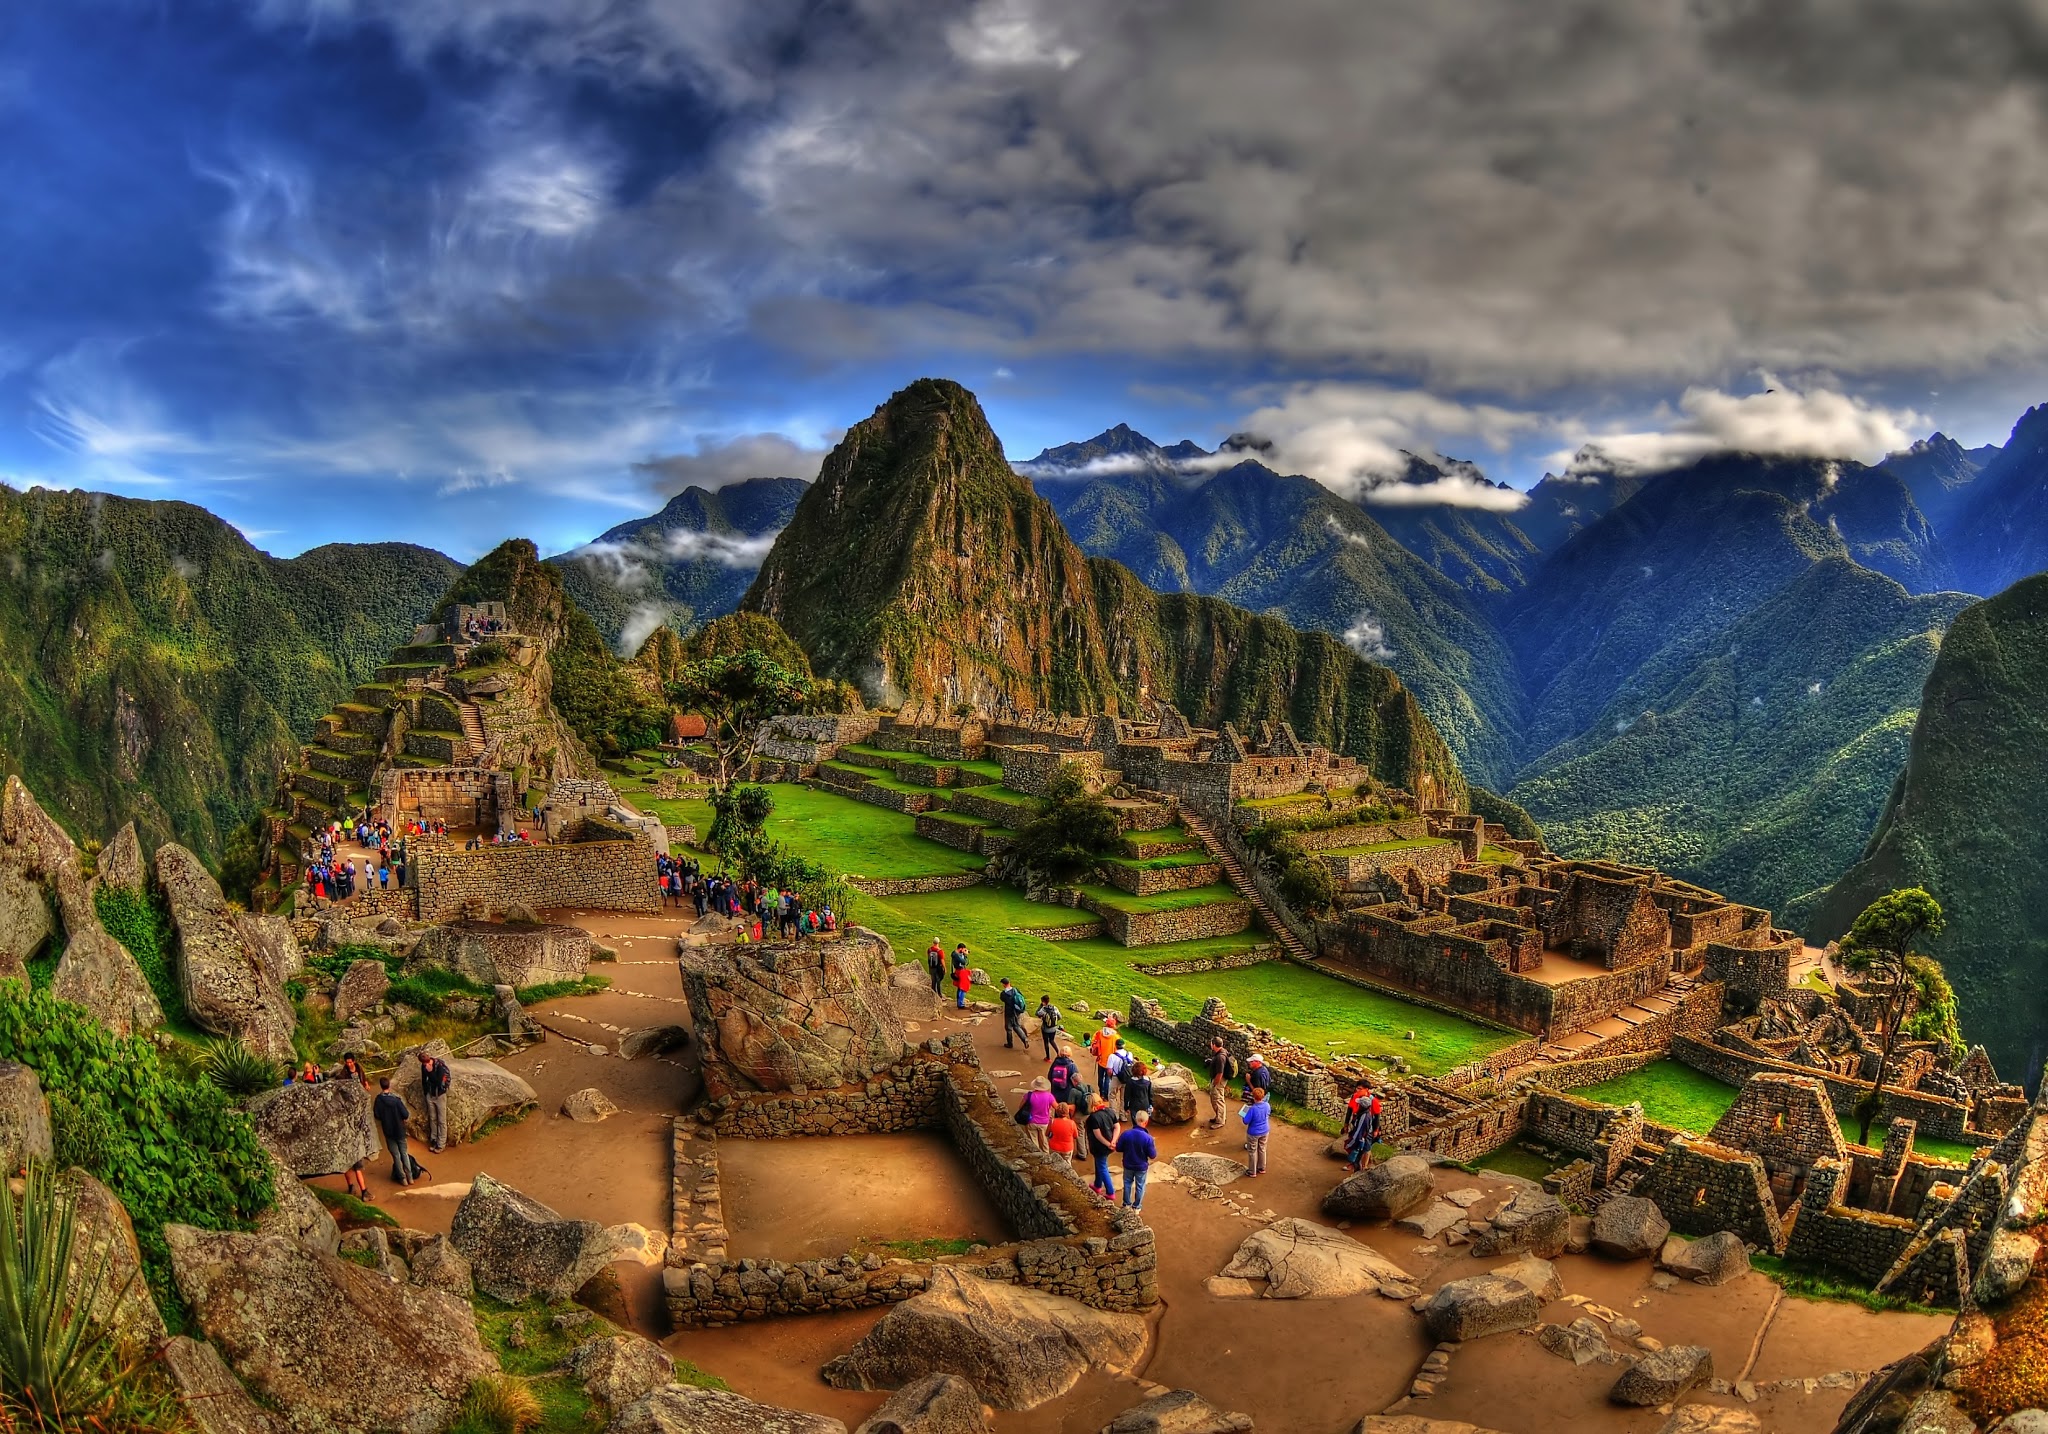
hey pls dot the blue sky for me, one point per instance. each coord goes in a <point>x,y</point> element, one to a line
<point>451,270</point>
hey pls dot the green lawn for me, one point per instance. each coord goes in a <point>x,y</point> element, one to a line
<point>1678,1095</point>
<point>846,835</point>
<point>1004,794</point>
<point>1165,901</point>
<point>1373,848</point>
<point>1499,855</point>
<point>1161,863</point>
<point>1272,804</point>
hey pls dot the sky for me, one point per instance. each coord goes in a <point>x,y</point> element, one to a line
<point>456,270</point>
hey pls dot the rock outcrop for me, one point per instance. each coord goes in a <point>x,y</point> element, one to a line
<point>652,1041</point>
<point>910,991</point>
<point>232,987</point>
<point>620,1368</point>
<point>24,1118</point>
<point>1710,1260</point>
<point>685,1409</point>
<point>1301,1260</point>
<point>102,1224</point>
<point>1019,1347</point>
<point>1479,1305</point>
<point>1532,1220</point>
<point>297,1213</point>
<point>812,1014</point>
<point>120,862</point>
<point>320,1129</point>
<point>335,1348</point>
<point>361,987</point>
<point>936,1404</point>
<point>1629,1227</point>
<point>438,1265</point>
<point>1173,1095</point>
<point>1385,1191</point>
<point>478,1091</point>
<point>588,1106</point>
<point>1179,1411</point>
<point>497,954</point>
<point>1662,1375</point>
<point>214,1398</point>
<point>38,865</point>
<point>518,1248</point>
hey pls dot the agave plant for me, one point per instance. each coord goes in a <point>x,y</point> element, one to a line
<point>57,1362</point>
<point>234,1069</point>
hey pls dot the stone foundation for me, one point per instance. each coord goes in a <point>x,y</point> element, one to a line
<point>595,875</point>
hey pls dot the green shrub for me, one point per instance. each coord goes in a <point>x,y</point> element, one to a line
<point>237,1071</point>
<point>173,1150</point>
<point>1076,830</point>
<point>139,922</point>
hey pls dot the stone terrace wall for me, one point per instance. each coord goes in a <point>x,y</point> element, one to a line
<point>904,1097</point>
<point>1860,1243</point>
<point>1202,965</point>
<point>1579,1004</point>
<point>1433,863</point>
<point>1189,923</point>
<point>915,885</point>
<point>1755,973</point>
<point>1702,1188</point>
<point>599,876</point>
<point>1152,880</point>
<point>814,739</point>
<point>1407,829</point>
<point>1935,1115</point>
<point>1468,1134</point>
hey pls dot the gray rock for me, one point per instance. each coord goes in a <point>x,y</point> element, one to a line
<point>120,862</point>
<point>1479,1305</point>
<point>652,1041</point>
<point>1532,1220</point>
<point>774,1017</point>
<point>1535,1274</point>
<point>1302,1260</point>
<point>1711,1260</point>
<point>620,1368</point>
<point>337,1349</point>
<point>2006,1266</point>
<point>2023,1421</point>
<point>518,1248</point>
<point>24,1118</point>
<point>1208,1169</point>
<point>515,954</point>
<point>1431,1220</point>
<point>684,1409</point>
<point>213,1397</point>
<point>1415,1424</point>
<point>102,1223</point>
<point>271,944</point>
<point>910,992</point>
<point>230,986</point>
<point>297,1213</point>
<point>26,918</point>
<point>1384,1191</point>
<point>372,1250</point>
<point>1173,1095</point>
<point>1179,1411</point>
<point>1583,1341</point>
<point>588,1106</point>
<point>1710,1419</point>
<point>319,1129</point>
<point>1019,1347</point>
<point>478,1091</point>
<point>360,990</point>
<point>1662,1375</point>
<point>1629,1227</point>
<point>935,1404</point>
<point>438,1265</point>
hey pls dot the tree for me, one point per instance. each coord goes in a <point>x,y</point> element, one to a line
<point>1880,945</point>
<point>737,694</point>
<point>739,814</point>
<point>1074,832</point>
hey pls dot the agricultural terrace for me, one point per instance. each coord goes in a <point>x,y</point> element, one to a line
<point>999,924</point>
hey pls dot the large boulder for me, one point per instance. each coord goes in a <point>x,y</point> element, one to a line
<point>214,1399</point>
<point>232,986</point>
<point>120,862</point>
<point>319,1129</point>
<point>685,1409</point>
<point>2006,1266</point>
<point>26,919</point>
<point>297,1212</point>
<point>335,1348</point>
<point>620,1368</point>
<point>588,1106</point>
<point>101,1223</point>
<point>495,954</point>
<point>935,1404</point>
<point>1173,1095</point>
<point>95,971</point>
<point>1535,1274</point>
<point>1711,1260</point>
<point>772,1016</point>
<point>1479,1305</point>
<point>437,1264</point>
<point>1662,1375</point>
<point>271,944</point>
<point>478,1092</point>
<point>518,1248</point>
<point>24,1118</point>
<point>1533,1220</point>
<point>652,1041</point>
<point>1178,1411</point>
<point>360,989</point>
<point>911,993</point>
<point>1629,1227</point>
<point>1019,1347</point>
<point>1300,1260</point>
<point>1385,1191</point>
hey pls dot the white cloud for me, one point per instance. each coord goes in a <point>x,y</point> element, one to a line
<point>1359,440</point>
<point>1367,637</point>
<point>1780,420</point>
<point>713,462</point>
<point>725,549</point>
<point>1009,32</point>
<point>640,624</point>
<point>1338,530</point>
<point>1453,490</point>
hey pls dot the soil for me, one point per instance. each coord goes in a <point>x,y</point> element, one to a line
<point>1308,1367</point>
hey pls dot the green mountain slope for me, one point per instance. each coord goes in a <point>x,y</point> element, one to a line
<point>1964,822</point>
<point>155,666</point>
<point>1759,768</point>
<point>681,567</point>
<point>920,566</point>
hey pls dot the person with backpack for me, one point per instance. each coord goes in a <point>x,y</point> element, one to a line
<point>435,1078</point>
<point>1257,1116</point>
<point>1064,1076</point>
<point>1119,1069</point>
<point>1221,1066</point>
<point>1101,1129</point>
<point>1137,1091</point>
<point>390,1112</point>
<point>1103,1044</point>
<point>1365,1130</point>
<point>961,960</point>
<point>1048,1024</point>
<point>1013,1016</point>
<point>935,965</point>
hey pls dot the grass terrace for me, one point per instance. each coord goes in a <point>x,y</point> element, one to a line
<point>1165,901</point>
<point>1498,855</point>
<point>1027,805</point>
<point>844,834</point>
<point>1160,863</point>
<point>1278,806</point>
<point>1374,848</point>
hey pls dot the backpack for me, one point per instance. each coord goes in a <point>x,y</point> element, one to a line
<point>1231,1069</point>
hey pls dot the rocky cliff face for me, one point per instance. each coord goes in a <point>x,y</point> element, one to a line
<point>921,567</point>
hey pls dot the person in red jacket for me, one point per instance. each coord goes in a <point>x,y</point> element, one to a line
<point>962,979</point>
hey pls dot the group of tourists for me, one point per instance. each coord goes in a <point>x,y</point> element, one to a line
<point>955,969</point>
<point>762,911</point>
<point>391,1114</point>
<point>477,627</point>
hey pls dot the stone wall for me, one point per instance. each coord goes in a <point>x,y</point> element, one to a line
<point>1469,1133</point>
<point>1299,1076</point>
<point>1860,1243</point>
<point>806,740</point>
<point>598,876</point>
<point>1753,973</point>
<point>1407,829</point>
<point>467,798</point>
<point>1934,1115</point>
<point>1201,965</point>
<point>992,809</point>
<point>947,829</point>
<point>902,1097</point>
<point>1188,923</point>
<point>1029,769</point>
<point>1703,1188</point>
<point>1152,880</point>
<point>915,885</point>
<point>1581,1003</point>
<point>1432,863</point>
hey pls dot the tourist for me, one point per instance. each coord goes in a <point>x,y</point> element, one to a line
<point>1102,1043</point>
<point>1013,1016</point>
<point>384,876</point>
<point>1139,1151</point>
<point>311,1074</point>
<point>1256,1076</point>
<point>960,957</point>
<point>391,1114</point>
<point>1257,1116</point>
<point>1037,1112</point>
<point>1119,1067</point>
<point>1065,1077</point>
<point>1137,1088</point>
<point>351,1069</point>
<point>1061,1135</point>
<point>1365,1130</point>
<point>1048,1024</point>
<point>962,979</point>
<point>1217,1063</point>
<point>435,1078</point>
<point>935,964</point>
<point>1101,1127</point>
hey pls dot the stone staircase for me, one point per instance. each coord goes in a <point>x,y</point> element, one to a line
<point>1585,1044</point>
<point>472,731</point>
<point>1200,829</point>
